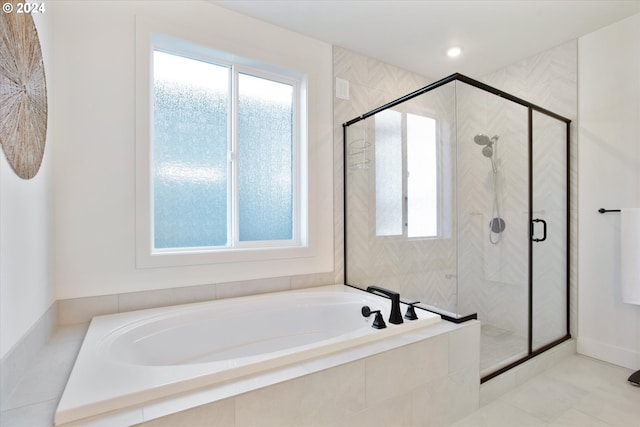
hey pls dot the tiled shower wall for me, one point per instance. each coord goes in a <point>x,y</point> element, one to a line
<point>426,270</point>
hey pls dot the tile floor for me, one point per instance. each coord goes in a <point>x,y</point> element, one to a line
<point>577,392</point>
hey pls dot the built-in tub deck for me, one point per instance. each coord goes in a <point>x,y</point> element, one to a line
<point>142,365</point>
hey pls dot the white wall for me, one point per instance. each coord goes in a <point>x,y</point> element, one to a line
<point>609,177</point>
<point>95,161</point>
<point>26,286</point>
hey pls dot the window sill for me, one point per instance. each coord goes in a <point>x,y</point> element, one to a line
<point>171,258</point>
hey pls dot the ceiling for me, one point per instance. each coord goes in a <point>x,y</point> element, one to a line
<point>416,34</point>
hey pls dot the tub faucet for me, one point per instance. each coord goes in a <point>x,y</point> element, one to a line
<point>396,316</point>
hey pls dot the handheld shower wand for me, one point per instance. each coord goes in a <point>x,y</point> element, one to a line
<point>489,150</point>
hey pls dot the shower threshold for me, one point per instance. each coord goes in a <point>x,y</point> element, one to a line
<point>499,347</point>
<point>502,350</point>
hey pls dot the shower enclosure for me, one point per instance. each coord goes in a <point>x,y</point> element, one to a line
<point>456,195</point>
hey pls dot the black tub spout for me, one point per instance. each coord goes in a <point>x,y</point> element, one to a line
<point>396,316</point>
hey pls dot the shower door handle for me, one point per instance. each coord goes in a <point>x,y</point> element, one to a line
<point>544,230</point>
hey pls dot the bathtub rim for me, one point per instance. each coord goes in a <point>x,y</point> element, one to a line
<point>187,314</point>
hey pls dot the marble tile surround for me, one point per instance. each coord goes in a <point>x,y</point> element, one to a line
<point>19,360</point>
<point>432,382</point>
<point>81,310</point>
<point>34,396</point>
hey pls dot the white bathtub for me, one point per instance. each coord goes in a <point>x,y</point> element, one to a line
<point>132,359</point>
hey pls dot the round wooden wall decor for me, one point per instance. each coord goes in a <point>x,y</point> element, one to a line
<point>23,93</point>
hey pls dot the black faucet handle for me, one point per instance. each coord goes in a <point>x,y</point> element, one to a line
<point>378,322</point>
<point>411,311</point>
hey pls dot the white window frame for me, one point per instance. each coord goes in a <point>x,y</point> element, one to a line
<point>146,254</point>
<point>233,194</point>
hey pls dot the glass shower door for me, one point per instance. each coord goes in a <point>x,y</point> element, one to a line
<point>549,244</point>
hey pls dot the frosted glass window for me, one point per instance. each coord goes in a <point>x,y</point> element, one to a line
<point>190,145</point>
<point>265,168</point>
<point>224,156</point>
<point>388,172</point>
<point>422,177</point>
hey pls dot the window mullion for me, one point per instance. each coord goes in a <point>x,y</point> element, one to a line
<point>405,178</point>
<point>234,229</point>
<point>295,165</point>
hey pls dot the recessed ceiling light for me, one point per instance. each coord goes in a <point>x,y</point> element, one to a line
<point>454,51</point>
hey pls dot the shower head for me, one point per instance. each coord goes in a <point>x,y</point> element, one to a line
<point>487,151</point>
<point>482,139</point>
